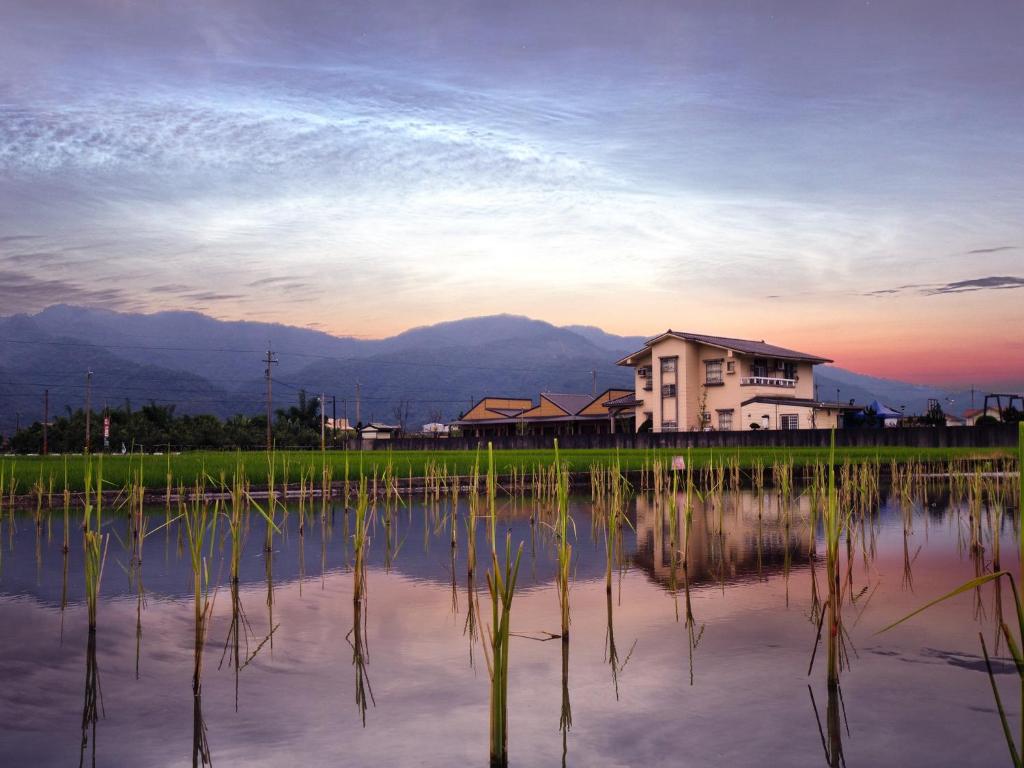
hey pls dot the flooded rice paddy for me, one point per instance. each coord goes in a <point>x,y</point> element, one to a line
<point>699,655</point>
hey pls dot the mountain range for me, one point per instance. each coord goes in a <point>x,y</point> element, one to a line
<point>203,365</point>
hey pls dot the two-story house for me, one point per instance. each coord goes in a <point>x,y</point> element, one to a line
<point>691,381</point>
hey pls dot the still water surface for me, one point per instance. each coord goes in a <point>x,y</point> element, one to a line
<point>723,682</point>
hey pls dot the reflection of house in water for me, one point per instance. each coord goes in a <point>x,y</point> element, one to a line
<point>741,549</point>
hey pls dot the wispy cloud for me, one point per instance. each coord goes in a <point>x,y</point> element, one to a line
<point>990,283</point>
<point>996,249</point>
<point>20,292</point>
<point>993,283</point>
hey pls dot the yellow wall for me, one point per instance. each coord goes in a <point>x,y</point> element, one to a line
<point>482,410</point>
<point>546,408</point>
<point>596,409</point>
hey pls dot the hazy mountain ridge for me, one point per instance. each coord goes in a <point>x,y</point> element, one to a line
<point>204,365</point>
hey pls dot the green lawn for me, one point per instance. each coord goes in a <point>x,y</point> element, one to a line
<point>188,467</point>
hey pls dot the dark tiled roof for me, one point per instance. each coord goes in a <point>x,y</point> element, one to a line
<point>744,346</point>
<point>571,404</point>
<point>623,402</point>
<point>752,347</point>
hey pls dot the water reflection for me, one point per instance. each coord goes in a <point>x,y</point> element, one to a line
<point>92,706</point>
<point>356,638</point>
<point>754,538</point>
<point>618,690</point>
<point>832,734</point>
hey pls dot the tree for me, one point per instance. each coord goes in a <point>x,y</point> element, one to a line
<point>401,412</point>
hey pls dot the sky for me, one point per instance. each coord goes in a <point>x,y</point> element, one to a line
<point>839,177</point>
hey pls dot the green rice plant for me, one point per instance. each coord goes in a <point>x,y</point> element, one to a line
<point>501,583</point>
<point>360,539</point>
<point>834,522</point>
<point>94,545</point>
<point>564,547</point>
<point>471,628</point>
<point>199,529</point>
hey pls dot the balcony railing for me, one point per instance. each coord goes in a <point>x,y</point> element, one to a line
<point>767,381</point>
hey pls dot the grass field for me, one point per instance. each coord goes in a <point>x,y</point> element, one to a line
<point>186,468</point>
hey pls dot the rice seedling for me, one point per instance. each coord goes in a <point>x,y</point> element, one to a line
<point>501,583</point>
<point>94,544</point>
<point>360,539</point>
<point>834,521</point>
<point>564,547</point>
<point>199,529</point>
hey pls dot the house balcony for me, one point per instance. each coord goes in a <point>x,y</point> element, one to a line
<point>767,381</point>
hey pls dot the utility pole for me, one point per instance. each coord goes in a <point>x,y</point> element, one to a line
<point>46,420</point>
<point>334,419</point>
<point>323,424</point>
<point>17,422</point>
<point>88,408</point>
<point>358,419</point>
<point>270,361</point>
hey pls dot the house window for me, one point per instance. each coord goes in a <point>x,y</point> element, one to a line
<point>668,364</point>
<point>759,368</point>
<point>725,420</point>
<point>713,370</point>
<point>730,366</point>
<point>789,370</point>
<point>705,420</point>
<point>669,426</point>
<point>789,421</point>
<point>668,390</point>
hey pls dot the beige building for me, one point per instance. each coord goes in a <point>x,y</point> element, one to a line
<point>555,414</point>
<point>690,381</point>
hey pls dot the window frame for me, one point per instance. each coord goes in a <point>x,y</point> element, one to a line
<point>711,365</point>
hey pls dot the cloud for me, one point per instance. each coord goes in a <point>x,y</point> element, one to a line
<point>34,258</point>
<point>977,284</point>
<point>990,283</point>
<point>997,249</point>
<point>24,293</point>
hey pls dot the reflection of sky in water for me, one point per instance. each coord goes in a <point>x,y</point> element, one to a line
<point>914,696</point>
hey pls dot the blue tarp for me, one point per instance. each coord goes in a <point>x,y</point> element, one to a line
<point>882,411</point>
